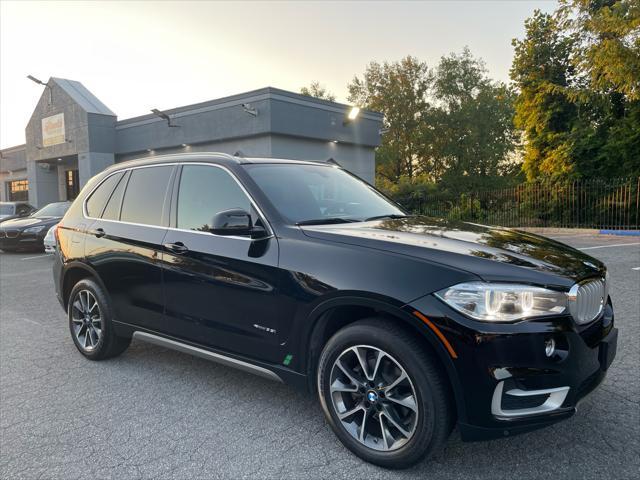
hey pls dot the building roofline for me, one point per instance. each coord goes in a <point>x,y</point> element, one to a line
<point>253,95</point>
<point>14,148</point>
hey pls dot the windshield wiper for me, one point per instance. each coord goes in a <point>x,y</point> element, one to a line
<point>327,221</point>
<point>392,216</point>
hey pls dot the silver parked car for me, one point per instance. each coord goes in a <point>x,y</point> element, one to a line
<point>50,240</point>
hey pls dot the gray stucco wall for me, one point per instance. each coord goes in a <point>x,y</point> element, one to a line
<point>357,159</point>
<point>13,166</point>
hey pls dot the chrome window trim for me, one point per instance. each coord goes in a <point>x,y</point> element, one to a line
<point>251,200</point>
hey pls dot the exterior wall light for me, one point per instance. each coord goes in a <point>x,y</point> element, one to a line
<point>351,116</point>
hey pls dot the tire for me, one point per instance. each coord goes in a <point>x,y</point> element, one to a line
<point>422,406</point>
<point>101,342</point>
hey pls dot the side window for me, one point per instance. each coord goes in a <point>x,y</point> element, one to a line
<point>23,209</point>
<point>112,210</point>
<point>205,191</point>
<point>99,197</point>
<point>144,196</point>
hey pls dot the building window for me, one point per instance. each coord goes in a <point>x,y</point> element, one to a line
<point>73,184</point>
<point>19,190</point>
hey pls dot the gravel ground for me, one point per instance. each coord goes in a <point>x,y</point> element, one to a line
<point>155,413</point>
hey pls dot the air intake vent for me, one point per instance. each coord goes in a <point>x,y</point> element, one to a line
<point>586,300</point>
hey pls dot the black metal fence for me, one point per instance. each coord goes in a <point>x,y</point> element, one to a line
<point>603,204</point>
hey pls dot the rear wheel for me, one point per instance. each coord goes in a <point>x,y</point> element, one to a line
<point>90,322</point>
<point>383,394</point>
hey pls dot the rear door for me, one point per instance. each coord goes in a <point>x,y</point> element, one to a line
<point>124,244</point>
<point>220,291</point>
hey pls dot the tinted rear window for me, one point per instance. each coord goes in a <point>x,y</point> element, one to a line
<point>99,197</point>
<point>145,193</point>
<point>112,211</point>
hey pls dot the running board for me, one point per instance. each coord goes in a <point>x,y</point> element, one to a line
<point>207,355</point>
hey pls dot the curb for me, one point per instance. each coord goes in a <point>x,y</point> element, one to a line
<point>622,233</point>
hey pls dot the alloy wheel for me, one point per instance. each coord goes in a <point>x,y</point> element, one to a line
<point>86,320</point>
<point>374,398</point>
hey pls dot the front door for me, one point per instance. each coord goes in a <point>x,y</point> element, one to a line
<point>220,291</point>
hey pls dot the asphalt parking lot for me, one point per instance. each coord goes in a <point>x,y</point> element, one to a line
<point>155,413</point>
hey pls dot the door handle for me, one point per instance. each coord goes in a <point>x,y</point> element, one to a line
<point>98,232</point>
<point>177,247</point>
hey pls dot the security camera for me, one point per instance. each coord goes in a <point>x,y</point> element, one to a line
<point>249,109</point>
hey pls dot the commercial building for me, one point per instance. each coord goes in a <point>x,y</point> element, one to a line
<point>72,136</point>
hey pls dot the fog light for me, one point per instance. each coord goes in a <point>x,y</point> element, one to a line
<point>550,347</point>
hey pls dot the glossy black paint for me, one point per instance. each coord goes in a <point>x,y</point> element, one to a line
<point>14,237</point>
<point>274,301</point>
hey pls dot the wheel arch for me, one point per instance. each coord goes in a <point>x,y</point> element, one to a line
<point>72,274</point>
<point>332,315</point>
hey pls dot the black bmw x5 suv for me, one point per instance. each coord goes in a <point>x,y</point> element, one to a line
<point>403,325</point>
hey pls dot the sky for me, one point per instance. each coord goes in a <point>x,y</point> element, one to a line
<point>138,55</point>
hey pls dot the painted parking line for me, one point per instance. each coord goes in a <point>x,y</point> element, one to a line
<point>635,268</point>
<point>31,321</point>
<point>33,258</point>
<point>609,246</point>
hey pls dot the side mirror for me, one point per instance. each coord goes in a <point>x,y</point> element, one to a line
<point>232,222</point>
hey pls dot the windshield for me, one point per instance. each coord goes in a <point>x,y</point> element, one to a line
<point>319,194</point>
<point>6,209</point>
<point>53,210</point>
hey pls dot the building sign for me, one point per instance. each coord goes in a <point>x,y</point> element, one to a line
<point>53,130</point>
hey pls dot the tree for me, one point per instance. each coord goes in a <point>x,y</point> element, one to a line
<point>318,91</point>
<point>452,125</point>
<point>399,91</point>
<point>543,70</point>
<point>607,54</point>
<point>608,42</point>
<point>470,136</point>
<point>578,75</point>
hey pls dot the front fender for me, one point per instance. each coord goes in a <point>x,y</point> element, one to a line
<point>313,336</point>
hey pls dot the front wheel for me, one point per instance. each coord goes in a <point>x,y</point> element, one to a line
<point>90,323</point>
<point>384,396</point>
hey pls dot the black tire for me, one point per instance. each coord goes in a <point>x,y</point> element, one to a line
<point>109,344</point>
<point>435,409</point>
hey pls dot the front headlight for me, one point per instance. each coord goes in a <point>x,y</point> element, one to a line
<point>503,302</point>
<point>37,229</point>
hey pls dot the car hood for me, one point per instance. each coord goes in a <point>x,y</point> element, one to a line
<point>492,253</point>
<point>20,223</point>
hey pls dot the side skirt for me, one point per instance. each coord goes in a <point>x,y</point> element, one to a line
<point>207,355</point>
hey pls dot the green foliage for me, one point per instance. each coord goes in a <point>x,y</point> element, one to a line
<point>399,91</point>
<point>578,75</point>
<point>450,125</point>
<point>315,89</point>
<point>608,42</point>
<point>470,135</point>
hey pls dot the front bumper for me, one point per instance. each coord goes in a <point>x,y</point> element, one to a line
<point>506,384</point>
<point>14,240</point>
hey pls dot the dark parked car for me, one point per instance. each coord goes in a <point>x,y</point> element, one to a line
<point>28,233</point>
<point>302,273</point>
<point>11,210</point>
